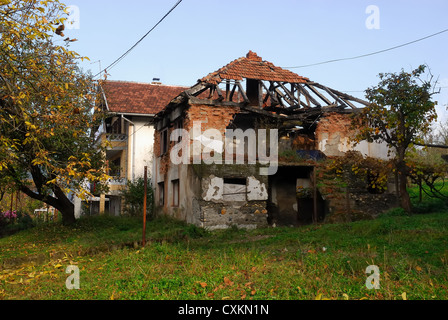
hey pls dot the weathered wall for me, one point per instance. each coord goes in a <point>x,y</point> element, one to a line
<point>220,208</point>
<point>333,135</point>
<point>348,198</point>
<point>203,200</point>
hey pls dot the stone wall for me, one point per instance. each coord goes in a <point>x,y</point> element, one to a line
<point>348,198</point>
<point>231,195</point>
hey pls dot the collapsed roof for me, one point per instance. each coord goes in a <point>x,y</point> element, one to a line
<point>269,90</point>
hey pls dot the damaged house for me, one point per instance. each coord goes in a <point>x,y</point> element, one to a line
<point>218,146</point>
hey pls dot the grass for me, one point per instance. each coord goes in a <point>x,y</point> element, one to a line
<point>185,262</point>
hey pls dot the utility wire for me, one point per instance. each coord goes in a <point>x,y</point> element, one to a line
<point>369,54</point>
<point>113,64</point>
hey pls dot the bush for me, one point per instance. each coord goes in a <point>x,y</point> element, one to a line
<point>24,221</point>
<point>7,217</point>
<point>133,197</point>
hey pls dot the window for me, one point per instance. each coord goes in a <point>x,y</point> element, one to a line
<point>163,141</point>
<point>234,189</point>
<point>179,125</point>
<point>175,188</point>
<point>161,189</point>
<point>115,168</point>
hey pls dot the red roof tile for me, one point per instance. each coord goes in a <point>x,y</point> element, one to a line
<point>138,98</point>
<point>253,67</point>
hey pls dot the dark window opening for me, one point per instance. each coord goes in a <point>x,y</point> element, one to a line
<point>163,142</point>
<point>161,190</point>
<point>240,181</point>
<point>175,187</point>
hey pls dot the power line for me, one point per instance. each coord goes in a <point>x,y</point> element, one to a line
<point>369,54</point>
<point>349,91</point>
<point>113,64</point>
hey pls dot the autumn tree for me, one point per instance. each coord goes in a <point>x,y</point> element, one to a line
<point>47,147</point>
<point>400,114</point>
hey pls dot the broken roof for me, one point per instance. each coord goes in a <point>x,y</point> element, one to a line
<point>138,98</point>
<point>252,67</point>
<point>269,91</point>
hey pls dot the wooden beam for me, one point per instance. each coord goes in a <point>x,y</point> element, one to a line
<point>351,105</point>
<point>243,93</point>
<point>290,95</point>
<point>219,91</point>
<point>335,96</point>
<point>317,93</point>
<point>308,96</point>
<point>197,89</point>
<point>271,93</point>
<point>291,103</point>
<point>441,146</point>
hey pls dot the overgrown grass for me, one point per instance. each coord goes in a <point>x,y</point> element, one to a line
<point>185,262</point>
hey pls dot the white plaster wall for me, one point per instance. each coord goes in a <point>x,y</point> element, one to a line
<point>370,149</point>
<point>373,149</point>
<point>256,190</point>
<point>143,149</point>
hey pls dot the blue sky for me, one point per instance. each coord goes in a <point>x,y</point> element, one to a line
<point>200,36</point>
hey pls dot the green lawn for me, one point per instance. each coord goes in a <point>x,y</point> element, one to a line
<point>185,262</point>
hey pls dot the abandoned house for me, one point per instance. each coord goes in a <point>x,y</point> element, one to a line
<point>262,111</point>
<point>129,131</point>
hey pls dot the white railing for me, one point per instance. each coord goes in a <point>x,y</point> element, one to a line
<point>116,137</point>
<point>117,181</point>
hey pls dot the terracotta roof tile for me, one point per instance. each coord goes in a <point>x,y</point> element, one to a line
<point>138,98</point>
<point>253,67</point>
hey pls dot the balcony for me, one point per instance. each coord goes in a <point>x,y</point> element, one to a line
<point>116,137</point>
<point>117,181</point>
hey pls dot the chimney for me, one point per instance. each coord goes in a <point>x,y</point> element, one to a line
<point>156,81</point>
<point>253,87</point>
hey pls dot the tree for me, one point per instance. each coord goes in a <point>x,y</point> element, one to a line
<point>47,147</point>
<point>400,114</point>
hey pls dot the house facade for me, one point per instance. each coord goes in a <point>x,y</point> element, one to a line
<point>128,133</point>
<point>219,144</point>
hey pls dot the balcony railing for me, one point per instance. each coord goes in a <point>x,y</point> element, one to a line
<point>117,181</point>
<point>116,137</point>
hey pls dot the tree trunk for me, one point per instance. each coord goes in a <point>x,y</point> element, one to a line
<point>405,200</point>
<point>68,215</point>
<point>59,202</point>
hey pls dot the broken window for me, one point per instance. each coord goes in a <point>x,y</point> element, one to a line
<point>235,189</point>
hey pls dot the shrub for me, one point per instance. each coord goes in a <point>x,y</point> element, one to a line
<point>133,196</point>
<point>7,217</point>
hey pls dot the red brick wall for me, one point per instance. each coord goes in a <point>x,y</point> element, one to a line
<point>211,117</point>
